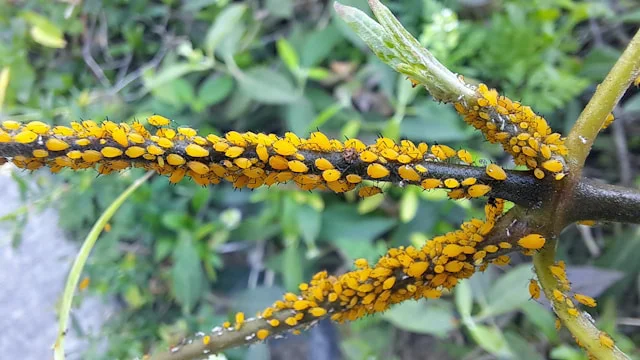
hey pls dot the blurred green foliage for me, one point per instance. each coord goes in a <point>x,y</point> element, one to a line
<point>180,258</point>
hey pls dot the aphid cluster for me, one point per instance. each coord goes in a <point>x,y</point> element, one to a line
<point>521,132</point>
<point>245,159</point>
<point>401,274</point>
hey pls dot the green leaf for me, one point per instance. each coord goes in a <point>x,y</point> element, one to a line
<point>343,221</point>
<point>215,89</point>
<point>299,115</point>
<point>292,266</point>
<point>509,292</point>
<point>133,297</point>
<point>187,276</point>
<point>288,55</point>
<point>173,72</point>
<point>43,31</point>
<point>409,205</point>
<point>280,8</point>
<point>523,348</point>
<point>309,222</point>
<point>490,339</point>
<point>542,318</point>
<point>422,317</point>
<point>224,24</point>
<point>463,298</point>
<point>267,86</point>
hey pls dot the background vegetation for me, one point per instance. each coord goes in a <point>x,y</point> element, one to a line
<point>181,258</point>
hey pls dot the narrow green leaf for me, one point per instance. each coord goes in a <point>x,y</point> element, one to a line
<point>215,89</point>
<point>186,274</point>
<point>224,24</point>
<point>464,298</point>
<point>78,264</point>
<point>288,55</point>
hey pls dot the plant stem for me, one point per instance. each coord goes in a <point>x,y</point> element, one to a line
<point>607,95</point>
<point>81,259</point>
<point>581,327</point>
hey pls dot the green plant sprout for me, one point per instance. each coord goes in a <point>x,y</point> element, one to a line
<point>550,195</point>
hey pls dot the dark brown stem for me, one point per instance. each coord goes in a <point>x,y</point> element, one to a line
<point>593,200</point>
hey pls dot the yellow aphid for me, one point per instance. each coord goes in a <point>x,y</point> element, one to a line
<point>54,144</point>
<point>239,320</point>
<point>468,181</point>
<point>226,324</point>
<point>318,311</point>
<point>38,127</point>
<point>297,166</point>
<point>408,173</point>
<point>367,191</point>
<point>40,153</point>
<point>606,340</point>
<point>368,156</point>
<point>587,222</point>
<point>284,148</point>
<point>418,268</point>
<point>83,142</point>
<point>558,295</point>
<point>221,146</point>
<point>236,138</point>
<point>198,167</point>
<point>110,152</point>
<point>11,125</point>
<point>91,156</point>
<point>421,169</point>
<point>354,179</point>
<point>478,190</point>
<point>331,175</point>
<point>389,154</point>
<point>206,340</point>
<point>164,143</point>
<point>320,140</point>
<point>428,184</point>
<point>496,172</point>
<point>291,321</point>
<point>274,322</point>
<point>573,312</point>
<point>175,160</point>
<point>585,300</point>
<point>553,165</point>
<point>262,152</point>
<point>278,162</point>
<point>234,151</point>
<point>136,151</point>
<point>194,150</point>
<point>538,173</point>
<point>323,164</point>
<point>451,183</point>
<point>465,156</point>
<point>262,334</point>
<point>187,132</point>
<point>155,150</point>
<point>532,241</point>
<point>25,137</point>
<point>158,120</point>
<point>636,82</point>
<point>377,171</point>
<point>84,283</point>
<point>534,289</point>
<point>177,175</point>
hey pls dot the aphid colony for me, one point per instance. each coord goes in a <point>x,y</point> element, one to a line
<point>244,159</point>
<point>402,273</point>
<point>521,132</point>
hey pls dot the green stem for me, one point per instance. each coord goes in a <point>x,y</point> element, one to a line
<point>581,327</point>
<point>81,259</point>
<point>607,95</point>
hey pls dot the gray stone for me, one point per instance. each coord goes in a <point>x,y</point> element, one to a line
<point>32,279</point>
